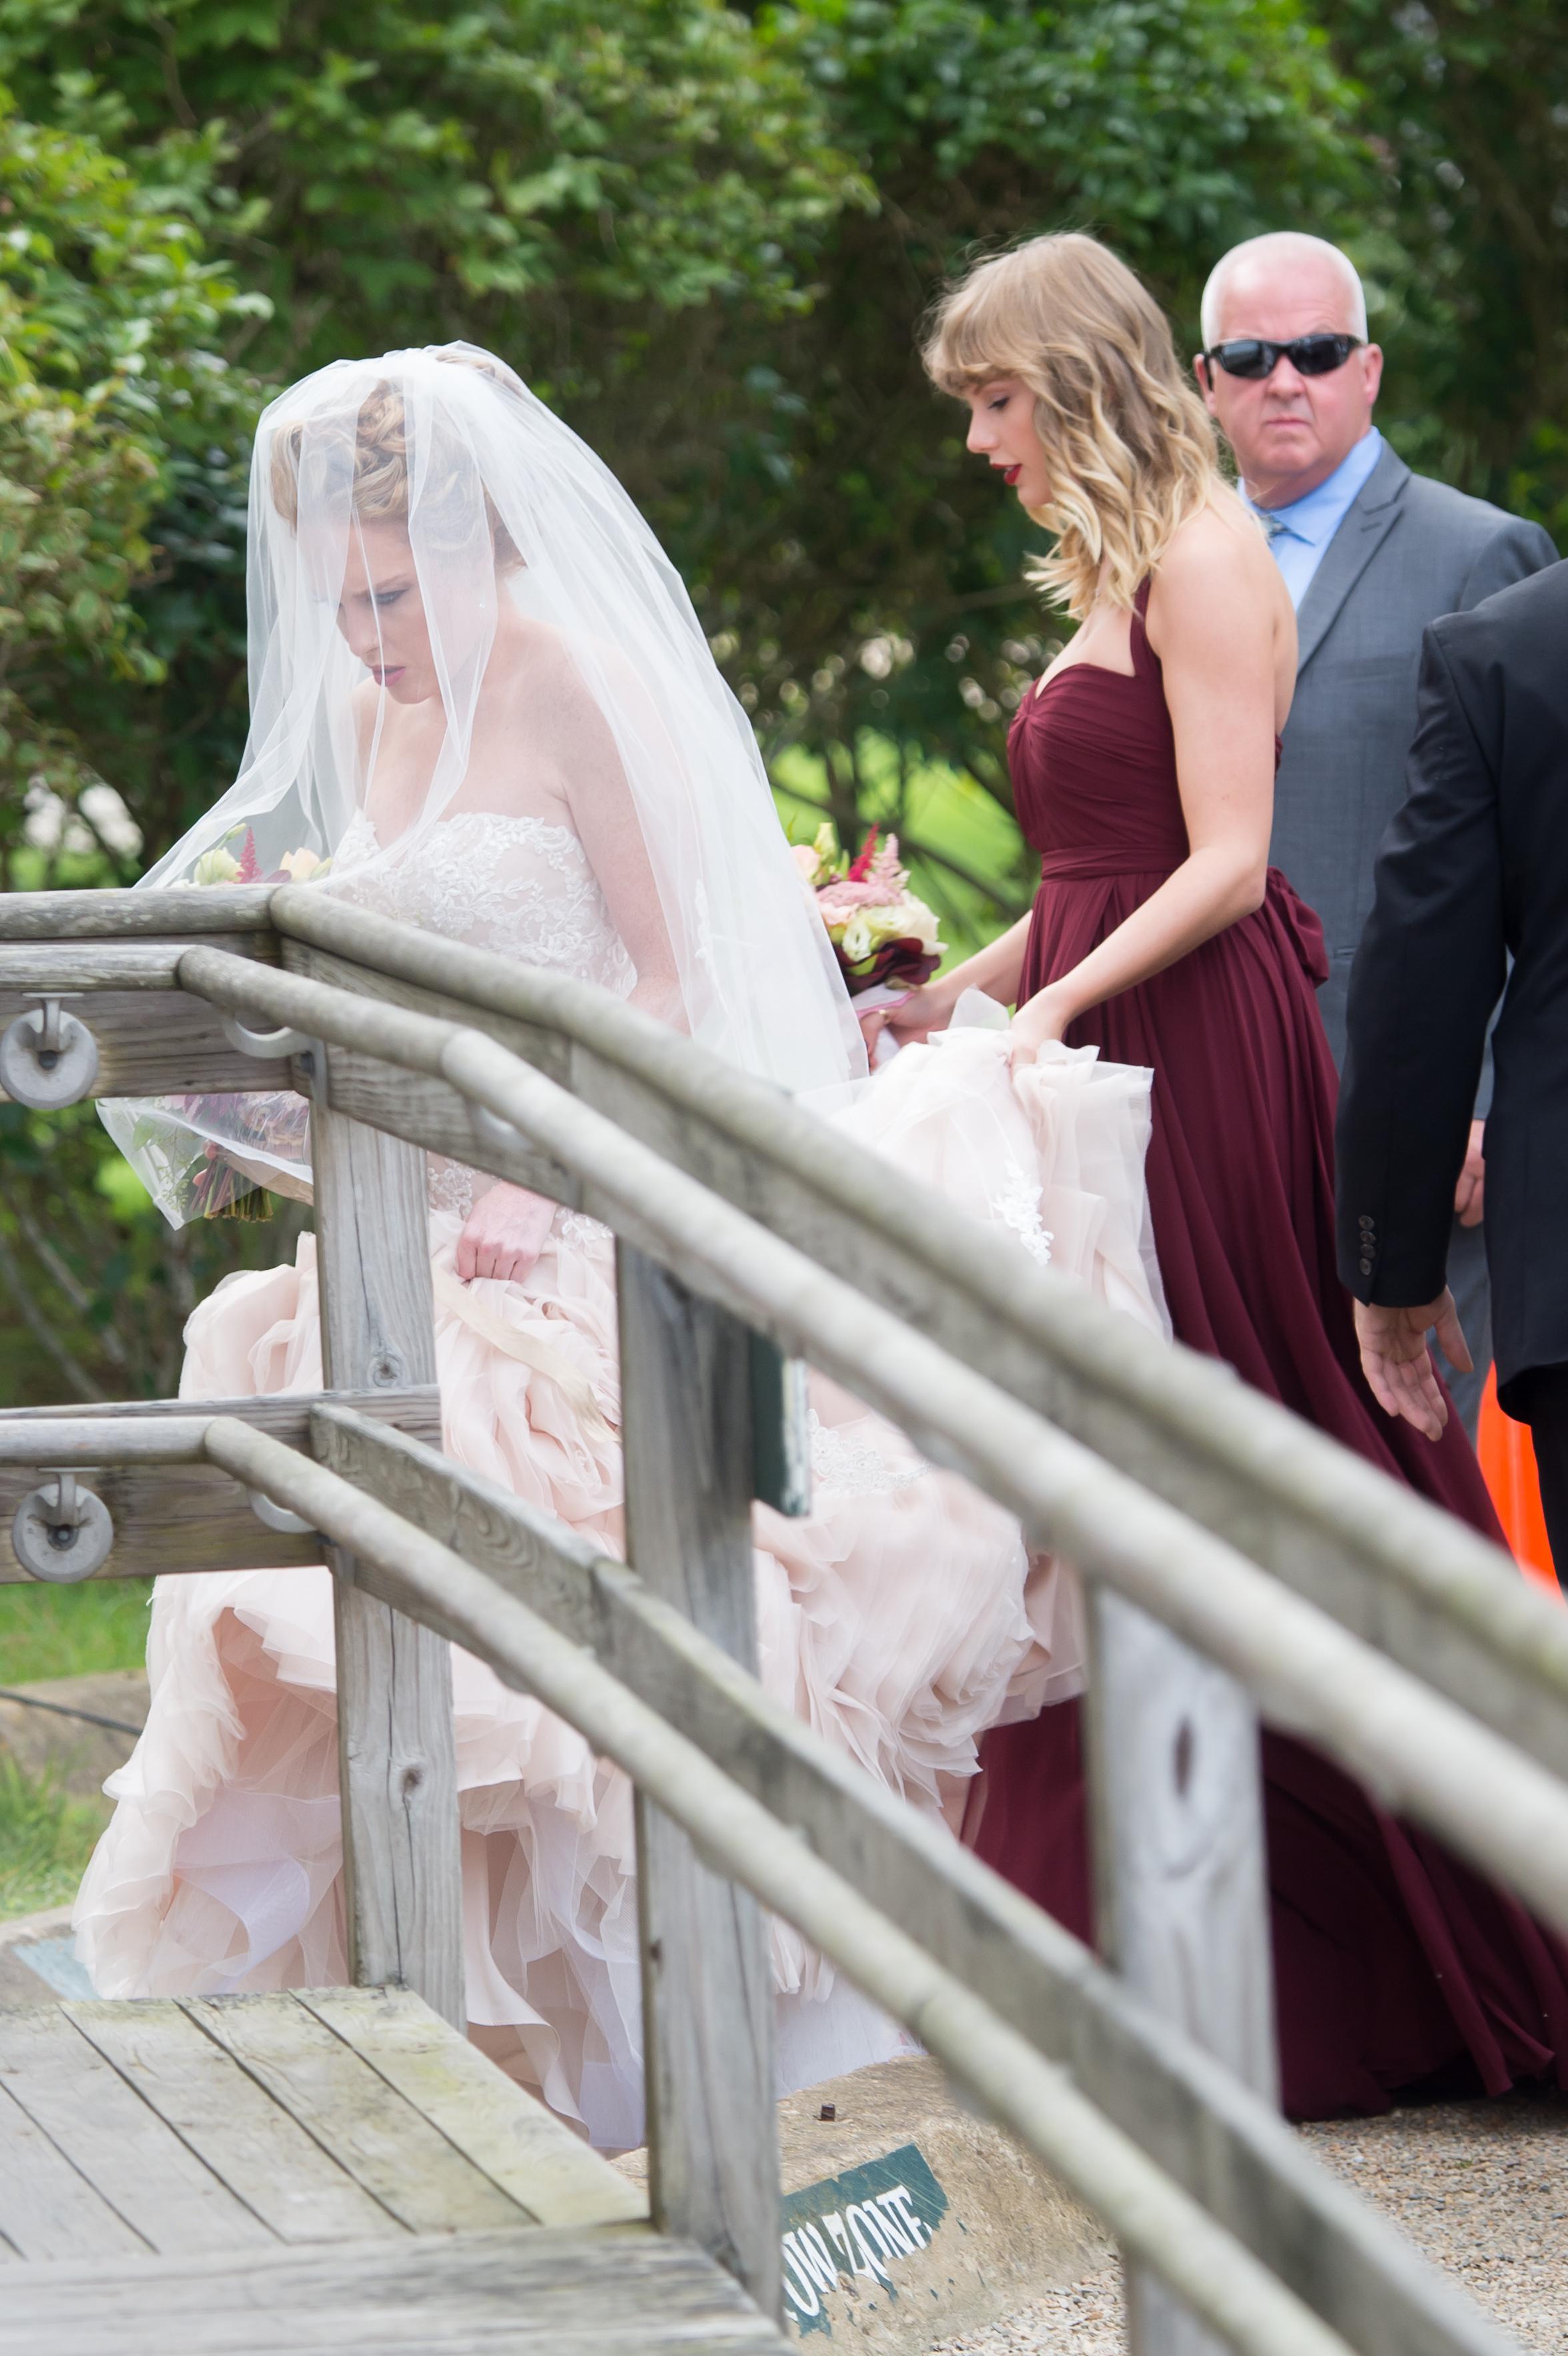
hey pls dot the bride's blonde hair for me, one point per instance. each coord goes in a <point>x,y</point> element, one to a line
<point>379,430</point>
<point>1129,448</point>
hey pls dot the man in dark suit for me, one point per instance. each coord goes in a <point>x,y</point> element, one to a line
<point>1370,553</point>
<point>1474,871</point>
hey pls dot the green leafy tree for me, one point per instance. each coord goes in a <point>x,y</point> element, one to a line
<point>707,236</point>
<point>868,581</point>
<point>595,199</point>
<point>114,396</point>
<point>111,387</point>
<point>1465,102</point>
<point>612,201</point>
<point>407,167</point>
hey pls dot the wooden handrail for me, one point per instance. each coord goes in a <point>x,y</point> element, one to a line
<point>1416,1749</point>
<point>1151,1470</point>
<point>1193,2117</point>
<point>1150,2215</point>
<point>1394,1568</point>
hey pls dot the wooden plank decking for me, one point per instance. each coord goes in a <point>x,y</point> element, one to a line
<point>323,2171</point>
<point>548,2293</point>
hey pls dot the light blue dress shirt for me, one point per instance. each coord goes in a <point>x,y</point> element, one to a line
<point>1299,534</point>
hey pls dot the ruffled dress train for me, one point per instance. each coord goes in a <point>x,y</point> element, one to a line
<point>900,1619</point>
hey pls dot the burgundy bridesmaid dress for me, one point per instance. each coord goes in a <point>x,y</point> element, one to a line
<point>1395,1966</point>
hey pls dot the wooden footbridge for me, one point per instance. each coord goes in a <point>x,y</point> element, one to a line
<point>338,2168</point>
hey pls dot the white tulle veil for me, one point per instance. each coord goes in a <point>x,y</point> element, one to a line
<point>502,502</point>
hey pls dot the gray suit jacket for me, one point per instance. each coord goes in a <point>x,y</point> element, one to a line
<point>1407,551</point>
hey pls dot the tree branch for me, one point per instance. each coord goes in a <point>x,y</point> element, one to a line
<point>38,1326</point>
<point>75,1291</point>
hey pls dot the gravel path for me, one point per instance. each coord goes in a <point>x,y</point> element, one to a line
<point>1482,2188</point>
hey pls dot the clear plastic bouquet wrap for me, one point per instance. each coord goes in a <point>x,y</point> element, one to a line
<point>240,1141</point>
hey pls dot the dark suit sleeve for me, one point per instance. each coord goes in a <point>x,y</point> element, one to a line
<point>1512,553</point>
<point>1426,977</point>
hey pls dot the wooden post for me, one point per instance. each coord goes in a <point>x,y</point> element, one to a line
<point>397,1758</point>
<point>1181,1877</point>
<point>707,1988</point>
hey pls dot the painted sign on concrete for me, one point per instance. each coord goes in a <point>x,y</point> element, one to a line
<point>856,2234</point>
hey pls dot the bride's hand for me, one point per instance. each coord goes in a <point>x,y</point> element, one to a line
<point>504,1232</point>
<point>917,1015</point>
<point>1043,1018</point>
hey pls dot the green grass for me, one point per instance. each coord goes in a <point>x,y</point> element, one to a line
<point>46,1840</point>
<point>71,1631</point>
<point>46,1837</point>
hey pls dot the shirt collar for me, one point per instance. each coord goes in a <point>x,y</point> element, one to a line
<point>1316,517</point>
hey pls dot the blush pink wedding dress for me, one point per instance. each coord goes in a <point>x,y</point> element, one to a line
<point>900,1619</point>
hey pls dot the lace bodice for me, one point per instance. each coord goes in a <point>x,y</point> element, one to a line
<point>519,886</point>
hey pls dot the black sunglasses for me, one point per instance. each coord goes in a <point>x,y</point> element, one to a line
<point>1311,355</point>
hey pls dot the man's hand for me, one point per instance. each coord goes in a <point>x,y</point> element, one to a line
<point>504,1232</point>
<point>1398,1365</point>
<point>1469,1195</point>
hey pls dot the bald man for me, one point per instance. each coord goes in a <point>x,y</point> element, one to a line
<point>1370,553</point>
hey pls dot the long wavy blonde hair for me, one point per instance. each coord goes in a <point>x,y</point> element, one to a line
<point>1129,448</point>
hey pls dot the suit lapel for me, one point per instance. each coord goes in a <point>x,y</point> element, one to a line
<point>1370,517</point>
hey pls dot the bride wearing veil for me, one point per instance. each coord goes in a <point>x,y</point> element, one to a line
<point>481,703</point>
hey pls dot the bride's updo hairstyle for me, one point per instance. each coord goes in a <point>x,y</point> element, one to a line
<point>378,431</point>
<point>1129,446</point>
<point>559,643</point>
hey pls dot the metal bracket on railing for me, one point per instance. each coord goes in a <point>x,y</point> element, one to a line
<point>62,1534</point>
<point>47,1058</point>
<point>490,1126</point>
<point>276,1516</point>
<point>270,1046</point>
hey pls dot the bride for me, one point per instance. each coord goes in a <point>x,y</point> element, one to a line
<point>481,703</point>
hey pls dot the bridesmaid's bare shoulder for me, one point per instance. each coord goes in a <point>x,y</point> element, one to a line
<point>1223,543</point>
<point>1218,565</point>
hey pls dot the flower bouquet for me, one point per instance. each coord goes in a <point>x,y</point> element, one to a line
<point>224,865</point>
<point>884,938</point>
<point>196,1178</point>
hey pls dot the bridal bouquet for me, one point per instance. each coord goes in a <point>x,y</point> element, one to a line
<point>224,865</point>
<point>883,936</point>
<point>208,1186</point>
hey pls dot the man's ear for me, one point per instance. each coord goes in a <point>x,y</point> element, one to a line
<point>1200,370</point>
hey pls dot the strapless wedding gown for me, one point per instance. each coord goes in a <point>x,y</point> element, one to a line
<point>901,1619</point>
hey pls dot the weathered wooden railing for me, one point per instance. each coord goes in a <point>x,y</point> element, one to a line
<point>1236,1560</point>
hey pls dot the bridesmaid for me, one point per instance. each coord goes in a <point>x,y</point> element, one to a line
<point>1143,769</point>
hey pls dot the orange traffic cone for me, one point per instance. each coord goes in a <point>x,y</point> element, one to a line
<point>1507,1465</point>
